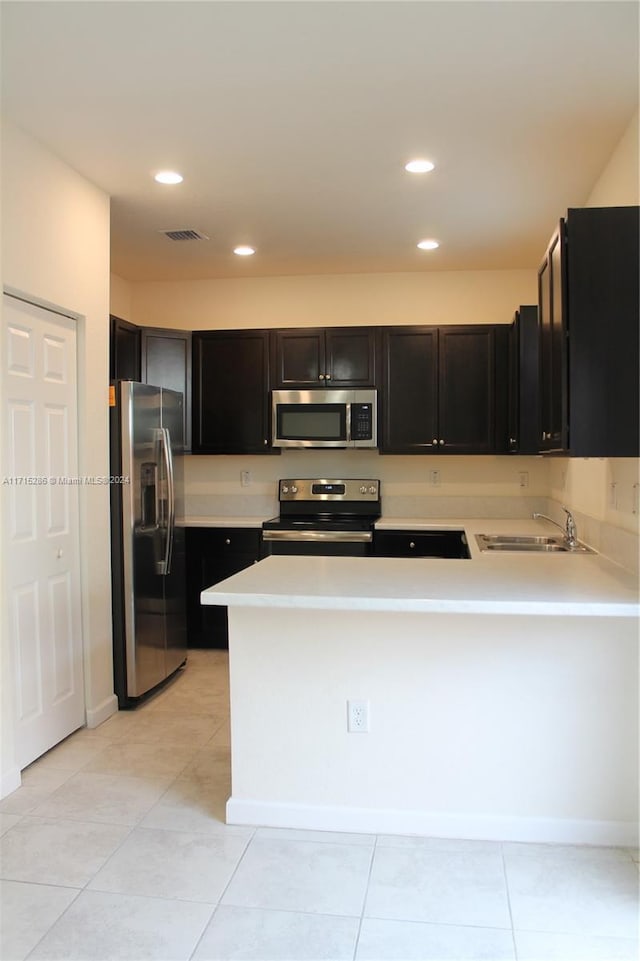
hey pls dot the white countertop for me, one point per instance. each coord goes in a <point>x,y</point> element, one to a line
<point>506,583</point>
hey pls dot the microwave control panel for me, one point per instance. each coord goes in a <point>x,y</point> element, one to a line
<point>361,421</point>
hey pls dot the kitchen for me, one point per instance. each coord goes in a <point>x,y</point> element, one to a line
<point>67,264</point>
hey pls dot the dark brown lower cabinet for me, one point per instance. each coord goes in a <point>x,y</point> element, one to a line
<point>213,554</point>
<point>434,543</point>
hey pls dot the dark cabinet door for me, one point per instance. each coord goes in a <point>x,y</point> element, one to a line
<point>444,390</point>
<point>350,357</point>
<point>603,258</point>
<point>472,395</point>
<point>553,345</point>
<point>335,357</point>
<point>299,358</point>
<point>523,378</point>
<point>230,392</point>
<point>214,554</point>
<point>409,390</point>
<point>166,362</point>
<point>124,354</point>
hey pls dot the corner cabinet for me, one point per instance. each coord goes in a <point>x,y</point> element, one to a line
<point>124,350</point>
<point>524,420</point>
<point>231,392</point>
<point>589,343</point>
<point>331,357</point>
<point>213,554</point>
<point>553,325</point>
<point>444,390</point>
<point>166,362</point>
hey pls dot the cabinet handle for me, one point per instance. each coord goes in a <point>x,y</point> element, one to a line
<point>441,442</point>
<point>321,377</point>
<point>435,440</point>
<point>327,376</point>
<point>266,442</point>
<point>227,540</point>
<point>411,544</point>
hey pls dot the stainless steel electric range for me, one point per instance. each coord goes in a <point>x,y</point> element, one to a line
<point>324,517</point>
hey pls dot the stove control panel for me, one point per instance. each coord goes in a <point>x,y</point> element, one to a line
<point>325,489</point>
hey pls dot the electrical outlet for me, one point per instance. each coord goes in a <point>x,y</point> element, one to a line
<point>245,478</point>
<point>358,717</point>
<point>434,477</point>
<point>523,478</point>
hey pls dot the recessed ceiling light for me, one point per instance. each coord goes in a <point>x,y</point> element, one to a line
<point>168,177</point>
<point>419,166</point>
<point>244,251</point>
<point>428,244</point>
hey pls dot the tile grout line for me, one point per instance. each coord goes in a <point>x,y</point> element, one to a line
<point>506,884</point>
<point>364,900</point>
<point>222,894</point>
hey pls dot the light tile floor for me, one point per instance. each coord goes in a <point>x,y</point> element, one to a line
<point>116,847</point>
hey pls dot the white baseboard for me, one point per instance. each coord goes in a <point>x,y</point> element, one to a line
<point>432,823</point>
<point>98,715</point>
<point>10,781</point>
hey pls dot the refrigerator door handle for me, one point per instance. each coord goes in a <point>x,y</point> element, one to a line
<point>171,499</point>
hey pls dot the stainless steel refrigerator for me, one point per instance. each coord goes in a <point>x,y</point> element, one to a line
<point>147,539</point>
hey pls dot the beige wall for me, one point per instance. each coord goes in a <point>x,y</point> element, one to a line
<point>120,297</point>
<point>619,182</point>
<point>55,250</point>
<point>469,297</point>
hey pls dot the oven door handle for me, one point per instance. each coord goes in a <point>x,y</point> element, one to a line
<point>342,537</point>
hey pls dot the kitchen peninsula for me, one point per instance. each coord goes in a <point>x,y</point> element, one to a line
<point>501,695</point>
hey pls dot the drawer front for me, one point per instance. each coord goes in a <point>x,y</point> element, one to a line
<point>228,540</point>
<point>420,544</point>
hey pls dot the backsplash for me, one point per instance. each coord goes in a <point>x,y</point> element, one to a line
<point>438,486</point>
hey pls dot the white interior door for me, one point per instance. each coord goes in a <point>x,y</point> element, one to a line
<point>41,501</point>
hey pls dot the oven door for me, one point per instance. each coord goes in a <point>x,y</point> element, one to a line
<point>317,543</point>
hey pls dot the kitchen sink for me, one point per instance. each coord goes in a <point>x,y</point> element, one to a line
<point>529,543</point>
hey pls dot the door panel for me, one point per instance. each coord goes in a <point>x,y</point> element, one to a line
<point>41,491</point>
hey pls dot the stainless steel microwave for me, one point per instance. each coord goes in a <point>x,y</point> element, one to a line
<point>324,418</point>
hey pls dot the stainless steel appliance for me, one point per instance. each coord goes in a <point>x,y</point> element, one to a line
<point>324,418</point>
<point>147,545</point>
<point>323,516</point>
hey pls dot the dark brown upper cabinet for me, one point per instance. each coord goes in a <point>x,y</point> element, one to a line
<point>553,324</point>
<point>166,362</point>
<point>231,392</point>
<point>124,350</point>
<point>331,357</point>
<point>589,343</point>
<point>444,390</point>
<point>523,413</point>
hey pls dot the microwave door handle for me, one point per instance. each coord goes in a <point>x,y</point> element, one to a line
<point>347,426</point>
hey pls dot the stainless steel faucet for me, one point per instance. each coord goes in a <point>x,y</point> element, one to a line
<point>569,530</point>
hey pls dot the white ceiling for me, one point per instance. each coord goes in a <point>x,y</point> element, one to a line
<point>291,123</point>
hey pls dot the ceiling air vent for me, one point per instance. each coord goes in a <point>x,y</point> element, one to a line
<point>184,235</point>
